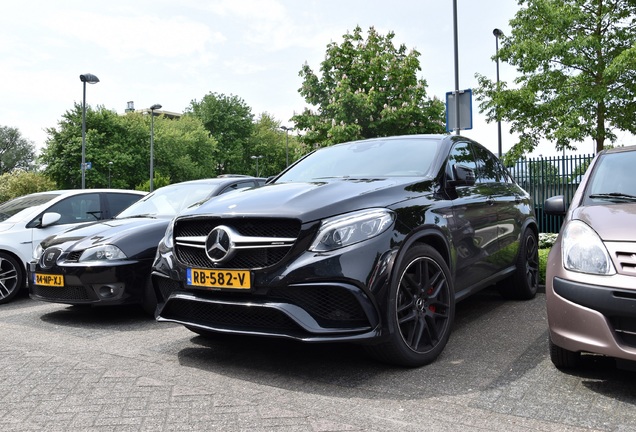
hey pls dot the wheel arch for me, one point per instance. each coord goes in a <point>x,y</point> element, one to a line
<point>431,236</point>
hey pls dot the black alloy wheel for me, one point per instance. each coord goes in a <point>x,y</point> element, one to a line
<point>523,284</point>
<point>422,309</point>
<point>11,279</point>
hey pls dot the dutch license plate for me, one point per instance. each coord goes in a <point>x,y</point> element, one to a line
<point>48,280</point>
<point>230,279</point>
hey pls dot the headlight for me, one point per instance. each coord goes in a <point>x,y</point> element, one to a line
<point>37,252</point>
<point>102,253</point>
<point>166,242</point>
<point>583,251</point>
<point>351,228</point>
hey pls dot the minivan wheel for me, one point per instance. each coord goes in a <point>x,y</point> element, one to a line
<point>11,278</point>
<point>523,284</point>
<point>421,310</point>
<point>562,358</point>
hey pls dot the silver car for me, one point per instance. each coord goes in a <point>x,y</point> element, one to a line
<point>27,220</point>
<point>591,270</point>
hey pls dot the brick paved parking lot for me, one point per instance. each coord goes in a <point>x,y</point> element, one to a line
<point>74,369</point>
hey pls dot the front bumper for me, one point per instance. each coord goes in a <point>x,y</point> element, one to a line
<point>119,283</point>
<point>334,296</point>
<point>592,317</point>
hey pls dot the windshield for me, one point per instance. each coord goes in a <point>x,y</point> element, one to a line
<point>613,178</point>
<point>16,205</point>
<point>168,200</point>
<point>369,159</point>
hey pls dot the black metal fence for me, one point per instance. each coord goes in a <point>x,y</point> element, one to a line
<point>549,176</point>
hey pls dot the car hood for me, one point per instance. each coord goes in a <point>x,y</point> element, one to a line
<point>611,222</point>
<point>316,200</point>
<point>5,226</point>
<point>120,232</point>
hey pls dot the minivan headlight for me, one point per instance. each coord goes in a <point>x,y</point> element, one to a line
<point>583,250</point>
<point>102,253</point>
<point>351,228</point>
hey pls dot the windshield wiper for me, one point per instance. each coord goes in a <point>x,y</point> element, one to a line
<point>618,196</point>
<point>146,215</point>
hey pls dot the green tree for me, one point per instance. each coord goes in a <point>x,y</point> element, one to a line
<point>18,183</point>
<point>271,142</point>
<point>107,140</point>
<point>16,152</point>
<point>183,149</point>
<point>576,65</point>
<point>367,88</point>
<point>229,120</point>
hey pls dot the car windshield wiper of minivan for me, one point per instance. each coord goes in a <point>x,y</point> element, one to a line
<point>618,196</point>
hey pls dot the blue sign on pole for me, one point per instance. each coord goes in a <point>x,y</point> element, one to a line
<point>465,110</point>
<point>87,165</point>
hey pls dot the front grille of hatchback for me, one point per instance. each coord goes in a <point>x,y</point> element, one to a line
<point>73,256</point>
<point>68,292</point>
<point>625,329</point>
<point>260,257</point>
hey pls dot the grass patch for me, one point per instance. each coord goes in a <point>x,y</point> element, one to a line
<point>543,259</point>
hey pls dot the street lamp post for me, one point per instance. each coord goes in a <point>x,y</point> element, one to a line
<point>152,143</point>
<point>257,158</point>
<point>498,33</point>
<point>110,164</point>
<point>286,129</point>
<point>91,79</point>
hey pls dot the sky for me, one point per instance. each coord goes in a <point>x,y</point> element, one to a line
<point>174,52</point>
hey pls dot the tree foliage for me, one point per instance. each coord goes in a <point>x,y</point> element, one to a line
<point>16,152</point>
<point>183,149</point>
<point>576,64</point>
<point>274,144</point>
<point>229,120</point>
<point>18,183</point>
<point>366,88</point>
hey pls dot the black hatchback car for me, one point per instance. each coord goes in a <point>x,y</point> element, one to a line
<point>371,241</point>
<point>108,263</point>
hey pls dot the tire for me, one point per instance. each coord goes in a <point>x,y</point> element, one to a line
<point>562,358</point>
<point>11,278</point>
<point>149,299</point>
<point>421,310</point>
<point>523,284</point>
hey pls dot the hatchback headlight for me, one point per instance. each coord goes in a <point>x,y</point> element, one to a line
<point>102,253</point>
<point>37,252</point>
<point>351,228</point>
<point>583,251</point>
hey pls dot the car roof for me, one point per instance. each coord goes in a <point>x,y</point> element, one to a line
<point>620,149</point>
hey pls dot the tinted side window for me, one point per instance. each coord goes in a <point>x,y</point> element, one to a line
<point>78,208</point>
<point>119,201</point>
<point>460,154</point>
<point>489,168</point>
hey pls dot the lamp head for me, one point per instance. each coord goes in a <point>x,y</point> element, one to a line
<point>89,78</point>
<point>155,107</point>
<point>498,33</point>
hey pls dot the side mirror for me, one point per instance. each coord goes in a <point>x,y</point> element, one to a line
<point>50,219</point>
<point>464,176</point>
<point>554,206</point>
